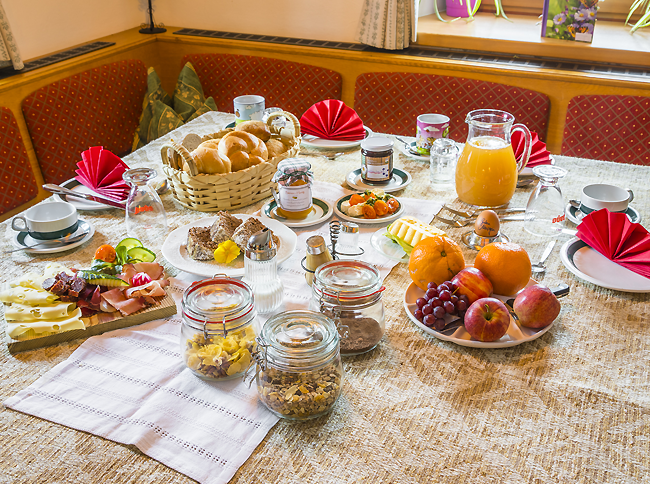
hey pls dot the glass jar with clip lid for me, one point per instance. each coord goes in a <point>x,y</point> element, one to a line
<point>299,371</point>
<point>350,292</point>
<point>218,333</point>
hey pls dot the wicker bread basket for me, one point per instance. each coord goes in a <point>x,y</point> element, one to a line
<point>228,191</point>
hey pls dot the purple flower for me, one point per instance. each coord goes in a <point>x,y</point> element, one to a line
<point>580,15</point>
<point>591,13</point>
<point>586,28</point>
<point>559,19</point>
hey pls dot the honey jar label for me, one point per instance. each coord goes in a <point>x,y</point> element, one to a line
<point>295,199</point>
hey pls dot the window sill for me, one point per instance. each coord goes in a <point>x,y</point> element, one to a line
<point>612,43</point>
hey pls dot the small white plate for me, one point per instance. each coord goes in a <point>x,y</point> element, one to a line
<point>387,247</point>
<point>175,249</point>
<point>310,141</point>
<point>399,180</point>
<point>361,220</point>
<point>591,266</point>
<point>411,151</point>
<point>574,214</point>
<point>23,239</point>
<point>321,211</point>
<point>516,334</point>
<point>80,203</point>
<point>529,171</point>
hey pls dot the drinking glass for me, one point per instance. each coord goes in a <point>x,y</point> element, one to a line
<point>146,219</point>
<point>444,153</point>
<point>544,215</point>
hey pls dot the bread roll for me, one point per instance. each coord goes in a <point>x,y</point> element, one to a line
<point>258,128</point>
<point>242,149</point>
<point>275,147</point>
<point>207,159</point>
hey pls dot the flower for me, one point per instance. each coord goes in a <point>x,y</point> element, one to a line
<point>226,252</point>
<point>580,15</point>
<point>586,28</point>
<point>560,18</point>
<point>591,13</point>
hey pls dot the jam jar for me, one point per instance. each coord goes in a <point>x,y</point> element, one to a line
<point>218,333</point>
<point>349,292</point>
<point>294,196</point>
<point>299,371</point>
<point>377,159</point>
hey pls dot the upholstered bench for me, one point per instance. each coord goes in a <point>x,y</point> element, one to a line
<point>390,102</point>
<point>291,86</point>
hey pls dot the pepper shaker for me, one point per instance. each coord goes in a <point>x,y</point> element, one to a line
<point>317,254</point>
<point>261,272</point>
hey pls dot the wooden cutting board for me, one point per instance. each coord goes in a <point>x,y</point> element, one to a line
<point>97,324</point>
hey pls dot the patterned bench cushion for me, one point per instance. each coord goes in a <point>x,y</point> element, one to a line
<point>610,128</point>
<point>17,180</point>
<point>390,102</point>
<point>291,86</point>
<point>99,107</point>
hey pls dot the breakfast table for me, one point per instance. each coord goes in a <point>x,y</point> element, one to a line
<point>570,406</point>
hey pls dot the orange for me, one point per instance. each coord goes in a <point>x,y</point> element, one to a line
<point>506,265</point>
<point>435,259</point>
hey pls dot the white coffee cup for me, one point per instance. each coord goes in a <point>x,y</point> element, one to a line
<point>599,196</point>
<point>48,221</point>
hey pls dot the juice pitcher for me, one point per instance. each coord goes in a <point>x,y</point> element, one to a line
<point>487,171</point>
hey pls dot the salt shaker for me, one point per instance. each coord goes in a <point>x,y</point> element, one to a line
<point>317,254</point>
<point>348,243</point>
<point>261,272</point>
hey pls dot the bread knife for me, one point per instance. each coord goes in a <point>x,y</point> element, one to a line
<point>51,187</point>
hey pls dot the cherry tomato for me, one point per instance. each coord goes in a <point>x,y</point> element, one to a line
<point>356,199</point>
<point>367,195</point>
<point>369,212</point>
<point>393,205</point>
<point>381,208</point>
<point>106,253</point>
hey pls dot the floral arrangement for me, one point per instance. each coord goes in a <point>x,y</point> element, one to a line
<point>571,19</point>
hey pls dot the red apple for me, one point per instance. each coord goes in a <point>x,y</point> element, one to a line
<point>487,319</point>
<point>536,306</point>
<point>472,283</point>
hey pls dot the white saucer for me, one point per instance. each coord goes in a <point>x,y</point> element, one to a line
<point>23,239</point>
<point>591,266</point>
<point>575,215</point>
<point>387,247</point>
<point>399,180</point>
<point>310,141</point>
<point>361,220</point>
<point>410,150</point>
<point>80,203</point>
<point>321,211</point>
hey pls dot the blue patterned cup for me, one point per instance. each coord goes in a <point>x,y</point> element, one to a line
<point>248,108</point>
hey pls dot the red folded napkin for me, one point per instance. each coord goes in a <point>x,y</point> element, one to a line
<point>332,119</point>
<point>101,171</point>
<point>538,152</point>
<point>621,241</point>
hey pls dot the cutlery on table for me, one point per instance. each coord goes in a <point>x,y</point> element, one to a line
<point>475,213</point>
<point>540,266</point>
<point>469,221</point>
<point>329,157</point>
<point>53,243</point>
<point>524,182</point>
<point>51,187</point>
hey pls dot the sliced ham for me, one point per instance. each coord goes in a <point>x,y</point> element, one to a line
<point>151,289</point>
<point>128,271</point>
<point>153,269</point>
<point>115,297</point>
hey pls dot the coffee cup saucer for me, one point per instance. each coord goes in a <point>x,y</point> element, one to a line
<point>23,240</point>
<point>575,215</point>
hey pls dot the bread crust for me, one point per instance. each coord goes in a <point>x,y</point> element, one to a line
<point>257,128</point>
<point>208,160</point>
<point>242,149</point>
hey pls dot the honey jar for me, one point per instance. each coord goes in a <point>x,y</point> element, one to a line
<point>293,197</point>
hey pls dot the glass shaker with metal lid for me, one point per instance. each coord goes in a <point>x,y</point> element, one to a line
<point>261,272</point>
<point>350,292</point>
<point>218,334</point>
<point>299,365</point>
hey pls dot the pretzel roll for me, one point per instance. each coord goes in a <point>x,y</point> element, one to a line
<point>258,128</point>
<point>275,147</point>
<point>207,159</point>
<point>242,149</point>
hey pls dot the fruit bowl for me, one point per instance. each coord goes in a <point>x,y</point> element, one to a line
<point>515,335</point>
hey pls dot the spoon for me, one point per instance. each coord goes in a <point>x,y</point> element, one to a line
<point>540,266</point>
<point>53,243</point>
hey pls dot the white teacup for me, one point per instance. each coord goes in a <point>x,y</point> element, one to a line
<point>599,196</point>
<point>48,220</point>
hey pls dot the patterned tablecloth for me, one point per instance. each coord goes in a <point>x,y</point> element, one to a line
<point>571,406</point>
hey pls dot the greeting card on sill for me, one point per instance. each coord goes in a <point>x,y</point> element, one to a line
<point>569,19</point>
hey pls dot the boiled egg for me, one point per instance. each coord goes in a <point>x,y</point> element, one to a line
<point>487,224</point>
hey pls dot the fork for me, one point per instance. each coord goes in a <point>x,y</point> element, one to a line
<point>469,221</point>
<point>472,213</point>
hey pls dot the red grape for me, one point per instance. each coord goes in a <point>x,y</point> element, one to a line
<point>432,285</point>
<point>429,320</point>
<point>430,294</point>
<point>421,302</point>
<point>428,309</point>
<point>443,287</point>
<point>445,295</point>
<point>435,302</point>
<point>418,314</point>
<point>449,307</point>
<point>454,299</point>
<point>439,324</point>
<point>439,312</point>
<point>461,305</point>
<point>452,286</point>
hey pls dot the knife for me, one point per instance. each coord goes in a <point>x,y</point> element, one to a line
<point>51,187</point>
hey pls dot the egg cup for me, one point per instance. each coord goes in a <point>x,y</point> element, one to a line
<point>474,241</point>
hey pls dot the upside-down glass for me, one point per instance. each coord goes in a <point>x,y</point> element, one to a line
<point>444,153</point>
<point>545,210</point>
<point>146,219</point>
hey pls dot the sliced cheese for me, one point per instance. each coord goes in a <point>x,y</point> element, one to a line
<point>27,295</point>
<point>24,312</point>
<point>26,329</point>
<point>412,231</point>
<point>31,280</point>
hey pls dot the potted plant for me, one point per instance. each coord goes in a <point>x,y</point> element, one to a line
<point>644,8</point>
<point>467,9</point>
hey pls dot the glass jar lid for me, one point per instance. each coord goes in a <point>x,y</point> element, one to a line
<point>299,339</point>
<point>218,301</point>
<point>377,143</point>
<point>347,280</point>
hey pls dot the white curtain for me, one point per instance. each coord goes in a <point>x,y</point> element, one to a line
<point>9,54</point>
<point>388,24</point>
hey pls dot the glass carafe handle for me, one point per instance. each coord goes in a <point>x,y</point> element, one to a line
<point>527,146</point>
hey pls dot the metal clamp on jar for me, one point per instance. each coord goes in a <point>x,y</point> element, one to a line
<point>217,334</point>
<point>350,293</point>
<point>299,371</point>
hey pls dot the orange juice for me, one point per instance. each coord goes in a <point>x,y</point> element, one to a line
<point>486,172</point>
<point>293,199</point>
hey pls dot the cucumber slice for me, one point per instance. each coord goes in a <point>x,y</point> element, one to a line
<point>141,254</point>
<point>129,243</point>
<point>100,279</point>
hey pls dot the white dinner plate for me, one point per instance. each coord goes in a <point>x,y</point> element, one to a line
<point>516,334</point>
<point>23,239</point>
<point>591,266</point>
<point>399,180</point>
<point>575,216</point>
<point>387,247</point>
<point>80,203</point>
<point>175,249</point>
<point>310,141</point>
<point>321,211</point>
<point>361,220</point>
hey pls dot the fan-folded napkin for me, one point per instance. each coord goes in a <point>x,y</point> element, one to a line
<point>101,171</point>
<point>333,120</point>
<point>539,155</point>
